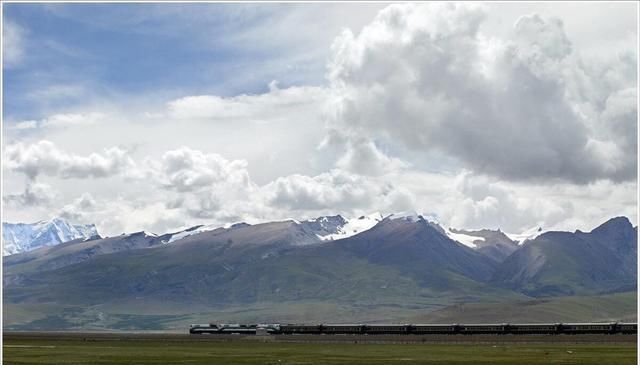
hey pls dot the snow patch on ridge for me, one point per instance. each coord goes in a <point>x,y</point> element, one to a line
<point>466,239</point>
<point>199,229</point>
<point>353,226</point>
<point>528,235</point>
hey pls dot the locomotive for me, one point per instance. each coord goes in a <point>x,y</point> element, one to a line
<point>417,329</point>
<point>224,328</point>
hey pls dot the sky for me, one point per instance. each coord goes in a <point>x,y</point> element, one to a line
<point>160,117</point>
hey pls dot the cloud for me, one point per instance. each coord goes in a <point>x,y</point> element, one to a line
<point>423,76</point>
<point>620,115</point>
<point>204,186</point>
<point>118,215</point>
<point>61,121</point>
<point>79,208</point>
<point>478,201</point>
<point>363,157</point>
<point>34,195</point>
<point>535,35</point>
<point>26,124</point>
<point>358,154</point>
<point>13,43</point>
<point>333,191</point>
<point>269,106</point>
<point>192,187</point>
<point>426,111</point>
<point>185,169</point>
<point>64,120</point>
<point>45,158</point>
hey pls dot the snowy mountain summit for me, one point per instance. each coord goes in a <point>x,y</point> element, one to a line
<point>409,216</point>
<point>337,227</point>
<point>23,237</point>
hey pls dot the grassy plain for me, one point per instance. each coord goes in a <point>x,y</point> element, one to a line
<point>77,351</point>
<point>605,308</point>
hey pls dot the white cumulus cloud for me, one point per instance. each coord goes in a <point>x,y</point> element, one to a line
<point>425,77</point>
<point>45,158</point>
<point>185,169</point>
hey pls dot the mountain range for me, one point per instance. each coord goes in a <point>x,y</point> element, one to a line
<point>370,268</point>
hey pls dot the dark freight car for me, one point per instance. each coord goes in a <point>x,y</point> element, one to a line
<point>533,328</point>
<point>292,329</point>
<point>387,329</point>
<point>420,329</point>
<point>482,328</point>
<point>343,329</point>
<point>575,328</point>
<point>627,327</point>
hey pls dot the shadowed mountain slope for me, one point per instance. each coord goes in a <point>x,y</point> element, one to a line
<point>493,244</point>
<point>564,263</point>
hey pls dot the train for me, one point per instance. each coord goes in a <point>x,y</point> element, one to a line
<point>416,329</point>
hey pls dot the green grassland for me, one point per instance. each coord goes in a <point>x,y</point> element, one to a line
<point>603,308</point>
<point>251,352</point>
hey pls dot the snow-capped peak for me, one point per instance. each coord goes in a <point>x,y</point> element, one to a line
<point>23,237</point>
<point>351,227</point>
<point>377,216</point>
<point>528,235</point>
<point>409,216</point>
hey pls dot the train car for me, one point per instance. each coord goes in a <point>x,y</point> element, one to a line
<point>425,329</point>
<point>626,328</point>
<point>223,328</point>
<point>198,329</point>
<point>269,328</point>
<point>293,329</point>
<point>248,329</point>
<point>342,329</point>
<point>386,329</point>
<point>533,328</point>
<point>469,329</point>
<point>576,328</point>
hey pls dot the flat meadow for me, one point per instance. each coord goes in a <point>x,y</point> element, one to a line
<point>152,351</point>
